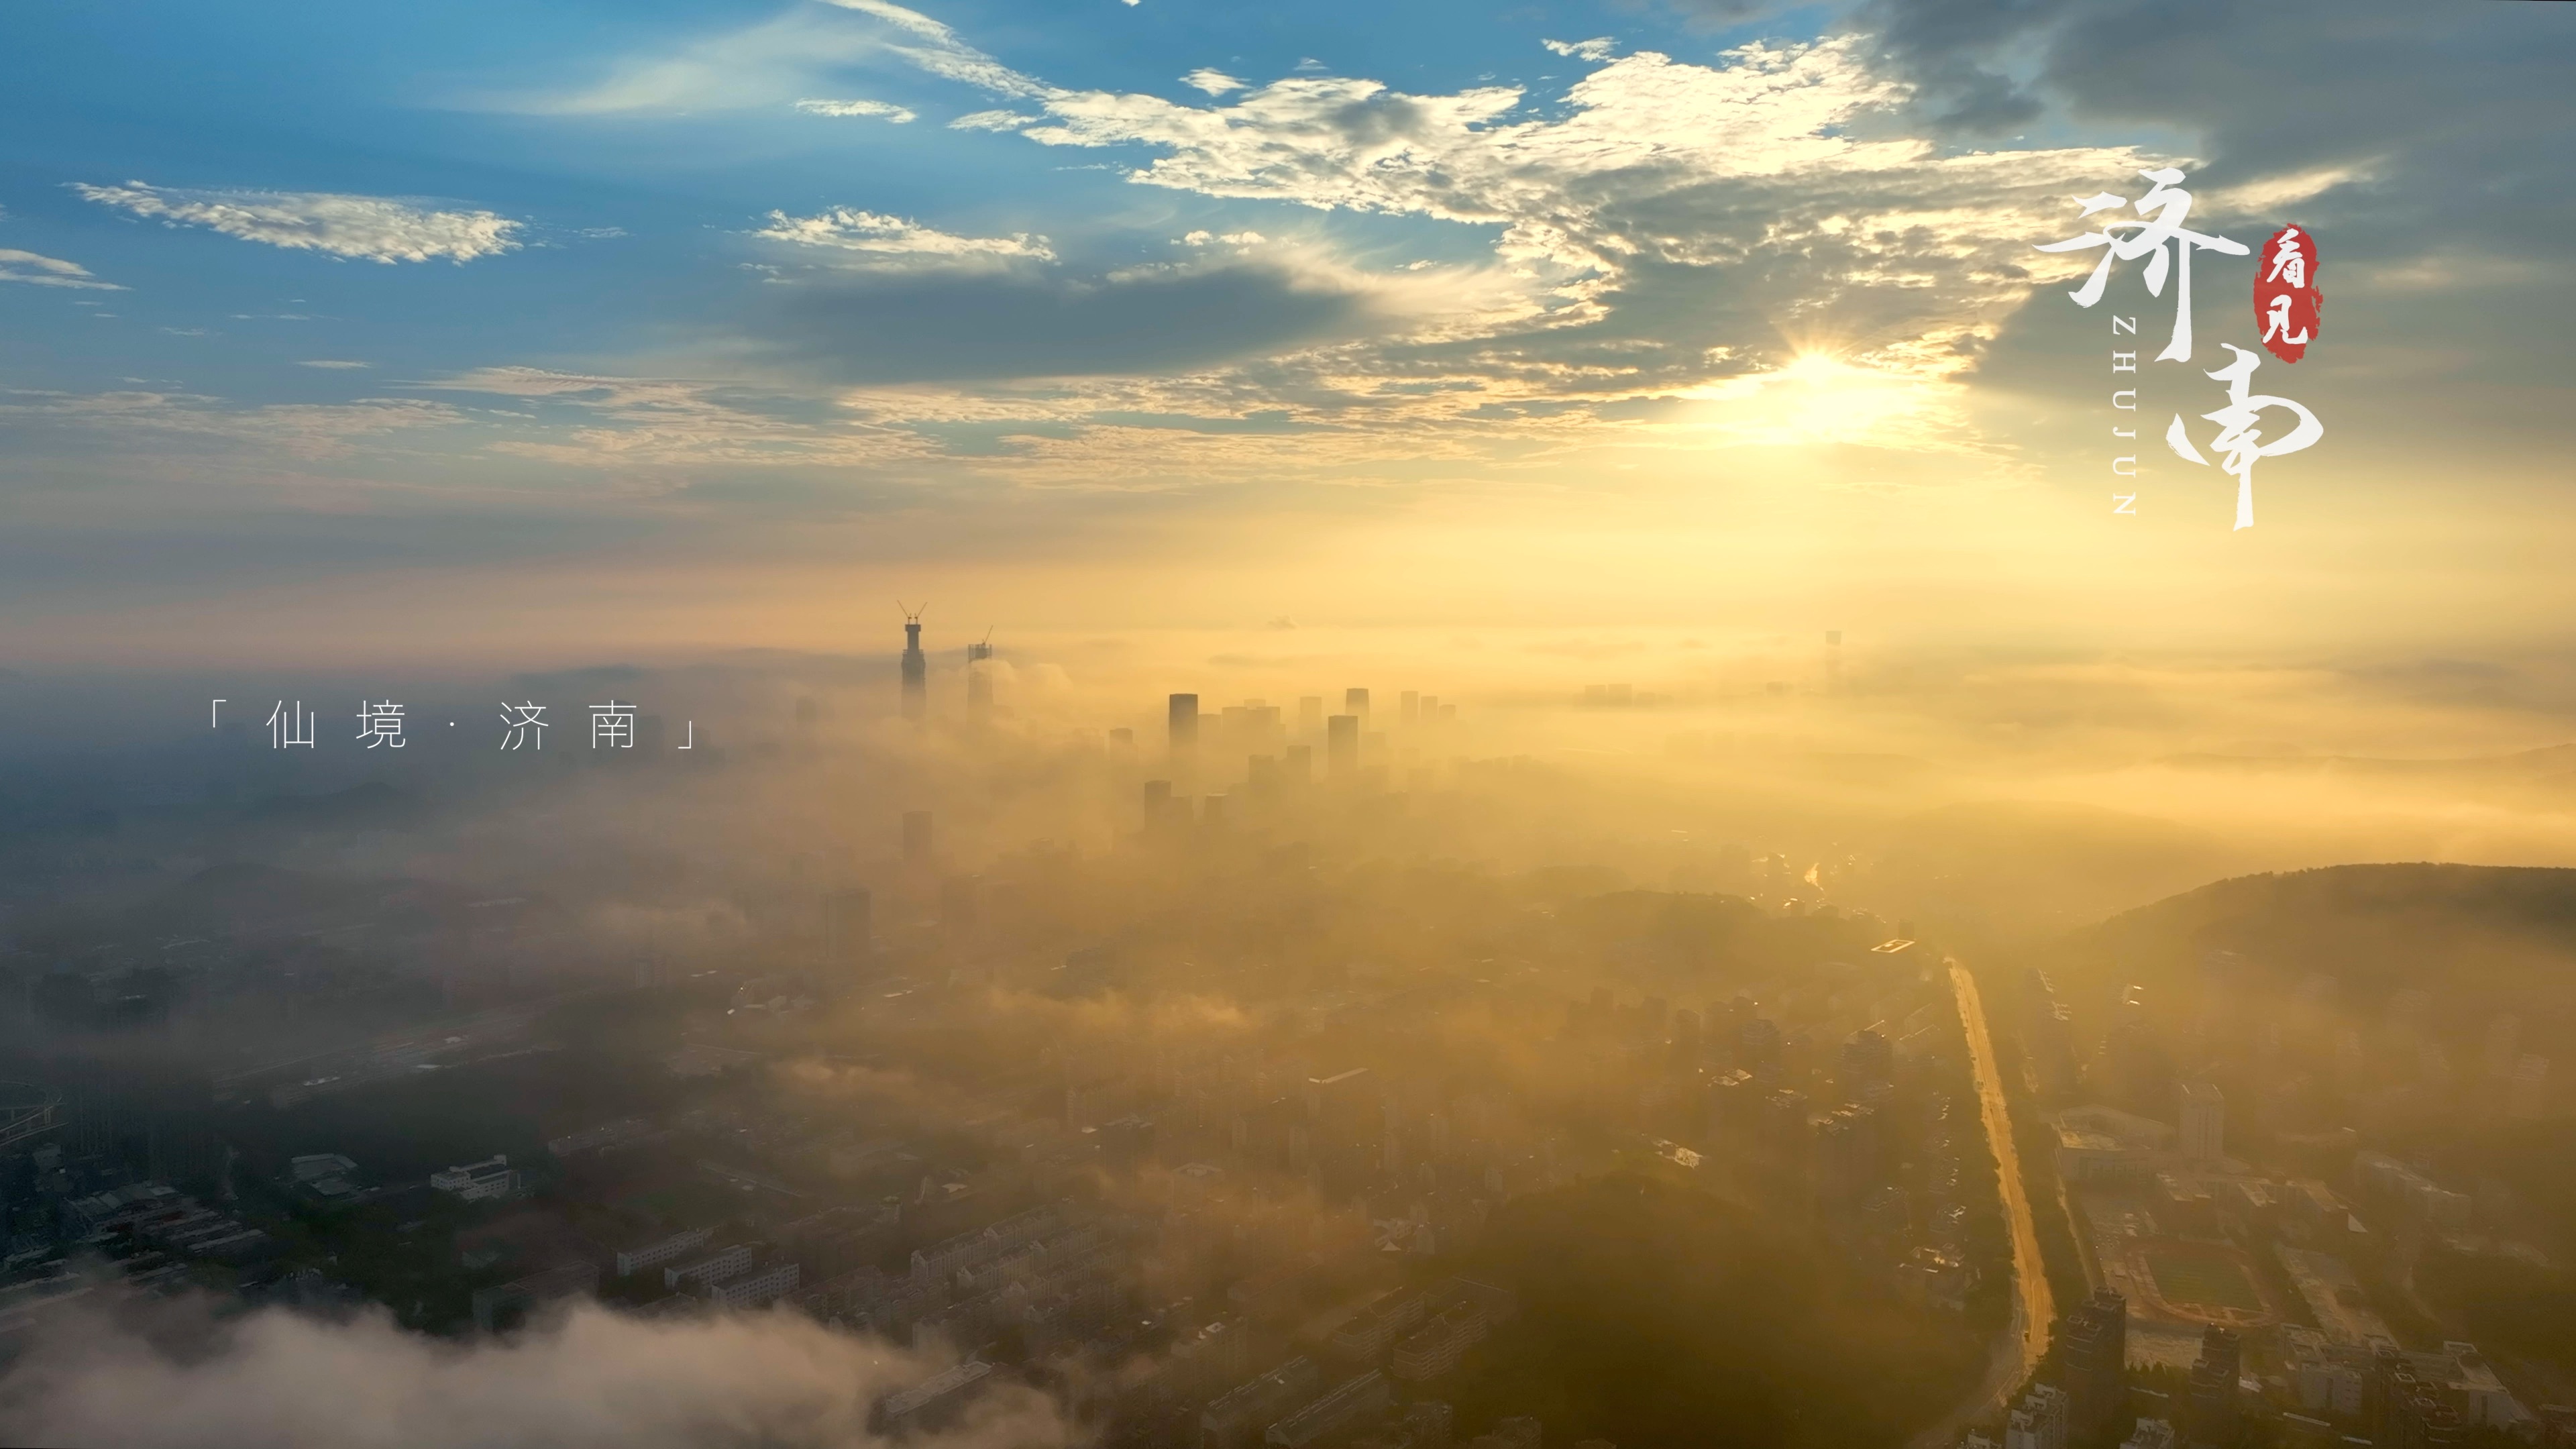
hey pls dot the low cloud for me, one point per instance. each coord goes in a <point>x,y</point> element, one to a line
<point>366,228</point>
<point>290,1381</point>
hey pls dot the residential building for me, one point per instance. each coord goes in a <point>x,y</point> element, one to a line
<point>1350,1404</point>
<point>2095,1341</point>
<point>1236,1418</point>
<point>712,1268</point>
<point>631,1261</point>
<point>2211,1415</point>
<point>2039,1421</point>
<point>1440,1344</point>
<point>491,1178</point>
<point>2204,1122</point>
<point>932,1402</point>
<point>1375,1329</point>
<point>754,1287</point>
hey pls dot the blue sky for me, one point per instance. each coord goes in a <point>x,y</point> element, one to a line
<point>462,107</point>
<point>790,284</point>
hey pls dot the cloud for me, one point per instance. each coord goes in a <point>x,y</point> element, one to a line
<point>369,228</point>
<point>43,271</point>
<point>332,362</point>
<point>994,325</point>
<point>686,423</point>
<point>297,430</point>
<point>1214,82</point>
<point>594,1377</point>
<point>991,121</point>
<point>1673,229</point>
<point>1596,49</point>
<point>760,65</point>
<point>890,111</point>
<point>892,241</point>
<point>937,49</point>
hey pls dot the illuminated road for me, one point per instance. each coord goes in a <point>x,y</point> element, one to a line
<point>2025,1336</point>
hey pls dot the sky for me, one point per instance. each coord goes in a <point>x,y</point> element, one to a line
<point>513,333</point>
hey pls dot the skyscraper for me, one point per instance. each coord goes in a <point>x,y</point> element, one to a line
<point>2204,1122</point>
<point>2096,1339</point>
<point>979,679</point>
<point>2212,1418</point>
<point>1342,745</point>
<point>1183,721</point>
<point>1355,704</point>
<point>916,667</point>
<point>847,928</point>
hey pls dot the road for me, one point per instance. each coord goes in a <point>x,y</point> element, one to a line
<point>2018,1348</point>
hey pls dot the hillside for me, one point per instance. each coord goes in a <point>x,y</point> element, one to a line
<point>2478,939</point>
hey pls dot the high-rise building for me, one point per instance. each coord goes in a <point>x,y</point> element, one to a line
<point>916,836</point>
<point>1758,1050</point>
<point>2150,1434</point>
<point>1342,745</point>
<point>2039,1422</point>
<point>847,927</point>
<point>1183,721</point>
<point>916,667</point>
<point>2096,1358</point>
<point>2211,1420</point>
<point>2204,1122</point>
<point>1355,704</point>
<point>1847,1156</point>
<point>2402,1411</point>
<point>979,680</point>
<point>1867,1057</point>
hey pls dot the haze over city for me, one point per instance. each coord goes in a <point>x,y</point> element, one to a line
<point>1177,727</point>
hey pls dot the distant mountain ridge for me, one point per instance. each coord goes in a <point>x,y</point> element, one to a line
<point>2479,937</point>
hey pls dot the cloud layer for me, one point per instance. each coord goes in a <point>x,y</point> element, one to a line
<point>280,1379</point>
<point>44,271</point>
<point>366,228</point>
<point>895,241</point>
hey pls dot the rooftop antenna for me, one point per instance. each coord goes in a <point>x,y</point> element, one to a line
<point>916,668</point>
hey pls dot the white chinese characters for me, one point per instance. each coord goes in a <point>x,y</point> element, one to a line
<point>2159,220</point>
<point>381,725</point>
<point>2240,434</point>
<point>526,724</point>
<point>2158,236</point>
